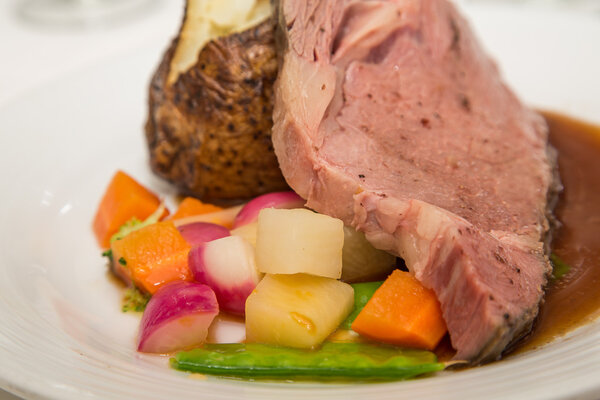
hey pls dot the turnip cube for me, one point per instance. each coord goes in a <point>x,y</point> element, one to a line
<point>177,317</point>
<point>299,241</point>
<point>297,310</point>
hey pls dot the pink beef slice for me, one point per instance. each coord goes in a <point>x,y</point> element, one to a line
<point>389,116</point>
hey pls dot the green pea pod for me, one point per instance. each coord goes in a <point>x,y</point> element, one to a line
<point>362,294</point>
<point>331,361</point>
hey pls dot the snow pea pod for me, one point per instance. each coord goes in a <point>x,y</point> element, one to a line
<point>362,293</point>
<point>331,361</point>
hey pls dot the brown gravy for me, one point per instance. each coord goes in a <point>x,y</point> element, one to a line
<point>573,300</point>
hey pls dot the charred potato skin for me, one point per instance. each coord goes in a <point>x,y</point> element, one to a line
<point>210,132</point>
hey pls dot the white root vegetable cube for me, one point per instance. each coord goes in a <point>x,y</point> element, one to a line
<point>298,310</point>
<point>299,241</point>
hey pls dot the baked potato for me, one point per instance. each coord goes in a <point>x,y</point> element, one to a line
<point>210,103</point>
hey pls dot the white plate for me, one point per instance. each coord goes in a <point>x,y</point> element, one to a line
<point>62,335</point>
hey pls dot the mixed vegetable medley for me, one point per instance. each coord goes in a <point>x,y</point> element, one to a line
<point>318,301</point>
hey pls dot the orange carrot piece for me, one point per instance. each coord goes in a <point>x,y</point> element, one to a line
<point>124,199</point>
<point>191,206</point>
<point>403,312</point>
<point>152,256</point>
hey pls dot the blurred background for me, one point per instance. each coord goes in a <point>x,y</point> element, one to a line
<point>42,40</point>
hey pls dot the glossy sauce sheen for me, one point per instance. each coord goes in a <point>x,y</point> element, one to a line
<point>574,299</point>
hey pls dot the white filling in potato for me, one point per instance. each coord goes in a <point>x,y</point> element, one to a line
<point>206,20</point>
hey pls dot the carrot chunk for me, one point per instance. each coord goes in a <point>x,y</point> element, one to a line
<point>191,206</point>
<point>152,256</point>
<point>403,312</point>
<point>124,199</point>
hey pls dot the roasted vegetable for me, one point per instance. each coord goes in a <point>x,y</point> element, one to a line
<point>152,256</point>
<point>361,261</point>
<point>249,213</point>
<point>191,206</point>
<point>297,310</point>
<point>210,103</point>
<point>226,265</point>
<point>177,317</point>
<point>196,233</point>
<point>333,360</point>
<point>299,241</point>
<point>135,224</point>
<point>123,200</point>
<point>404,312</point>
<point>224,217</point>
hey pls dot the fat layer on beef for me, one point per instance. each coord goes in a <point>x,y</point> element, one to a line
<point>390,116</point>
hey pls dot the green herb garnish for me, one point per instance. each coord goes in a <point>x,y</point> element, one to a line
<point>135,300</point>
<point>134,224</point>
<point>559,267</point>
<point>108,254</point>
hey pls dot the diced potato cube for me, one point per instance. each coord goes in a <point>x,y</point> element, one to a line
<point>299,241</point>
<point>298,310</point>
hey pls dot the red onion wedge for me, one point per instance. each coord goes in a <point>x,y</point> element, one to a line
<point>226,265</point>
<point>249,213</point>
<point>201,232</point>
<point>177,317</point>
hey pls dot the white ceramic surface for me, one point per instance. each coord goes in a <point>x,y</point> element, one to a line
<point>62,335</point>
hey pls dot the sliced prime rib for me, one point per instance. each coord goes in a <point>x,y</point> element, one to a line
<point>390,116</point>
